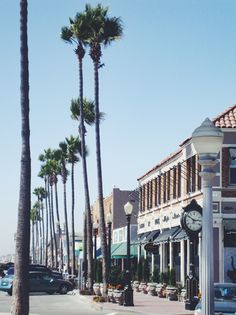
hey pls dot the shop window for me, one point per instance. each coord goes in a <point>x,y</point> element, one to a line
<point>232,166</point>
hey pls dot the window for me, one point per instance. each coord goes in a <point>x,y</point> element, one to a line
<point>179,180</point>
<point>232,166</point>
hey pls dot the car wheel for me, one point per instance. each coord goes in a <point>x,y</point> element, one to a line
<point>50,292</point>
<point>63,289</point>
<point>9,292</point>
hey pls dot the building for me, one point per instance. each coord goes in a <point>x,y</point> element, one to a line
<point>114,204</point>
<point>170,186</point>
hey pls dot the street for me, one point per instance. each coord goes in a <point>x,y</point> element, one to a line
<point>44,304</point>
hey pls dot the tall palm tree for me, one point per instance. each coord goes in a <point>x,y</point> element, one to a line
<point>43,174</point>
<point>21,278</point>
<point>73,148</point>
<point>61,156</point>
<point>77,33</point>
<point>103,30</point>
<point>84,111</point>
<point>40,193</point>
<point>35,215</point>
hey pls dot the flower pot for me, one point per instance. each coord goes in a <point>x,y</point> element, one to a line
<point>96,289</point>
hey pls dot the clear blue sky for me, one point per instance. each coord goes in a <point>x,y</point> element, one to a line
<point>174,66</point>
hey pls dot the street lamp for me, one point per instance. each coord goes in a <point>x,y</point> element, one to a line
<point>109,222</point>
<point>207,141</point>
<point>128,292</point>
<point>95,232</point>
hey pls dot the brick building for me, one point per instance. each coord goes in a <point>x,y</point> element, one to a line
<point>170,186</point>
<point>114,204</point>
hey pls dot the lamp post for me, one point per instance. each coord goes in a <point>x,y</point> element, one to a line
<point>128,292</point>
<point>95,232</point>
<point>109,222</point>
<point>207,141</point>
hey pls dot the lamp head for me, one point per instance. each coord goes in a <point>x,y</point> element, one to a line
<point>207,139</point>
<point>95,225</point>
<point>128,208</point>
<point>109,217</point>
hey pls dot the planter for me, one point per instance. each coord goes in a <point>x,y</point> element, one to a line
<point>151,288</point>
<point>96,289</point>
<point>143,287</point>
<point>110,295</point>
<point>136,286</point>
<point>161,290</point>
<point>118,296</point>
<point>172,293</point>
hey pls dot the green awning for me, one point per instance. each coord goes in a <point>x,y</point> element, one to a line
<point>121,251</point>
<point>114,247</point>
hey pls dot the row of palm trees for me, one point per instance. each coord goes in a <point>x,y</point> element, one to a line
<point>55,163</point>
<point>91,28</point>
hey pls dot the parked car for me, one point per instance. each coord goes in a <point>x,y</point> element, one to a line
<point>38,267</point>
<point>225,299</point>
<point>39,282</point>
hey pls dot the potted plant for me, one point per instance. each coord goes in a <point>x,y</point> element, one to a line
<point>96,289</point>
<point>118,294</point>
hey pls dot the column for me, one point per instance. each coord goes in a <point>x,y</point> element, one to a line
<point>152,264</point>
<point>171,254</point>
<point>161,257</point>
<point>188,257</point>
<point>182,263</point>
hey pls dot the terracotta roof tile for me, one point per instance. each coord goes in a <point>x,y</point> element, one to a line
<point>226,119</point>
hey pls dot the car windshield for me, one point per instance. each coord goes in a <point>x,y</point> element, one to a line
<point>225,293</point>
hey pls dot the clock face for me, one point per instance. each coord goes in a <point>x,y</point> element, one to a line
<point>193,220</point>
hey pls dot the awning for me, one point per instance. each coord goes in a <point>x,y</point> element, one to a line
<point>180,235</point>
<point>142,238</point>
<point>121,251</point>
<point>152,236</point>
<point>114,247</point>
<point>165,235</point>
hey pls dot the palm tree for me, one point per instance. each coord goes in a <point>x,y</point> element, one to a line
<point>21,278</point>
<point>40,193</point>
<point>35,217</point>
<point>43,174</point>
<point>103,30</point>
<point>73,148</point>
<point>61,155</point>
<point>77,33</point>
<point>86,114</point>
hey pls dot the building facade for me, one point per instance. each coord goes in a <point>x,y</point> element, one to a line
<point>170,186</point>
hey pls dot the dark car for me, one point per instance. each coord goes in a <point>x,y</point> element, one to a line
<point>39,282</point>
<point>38,267</point>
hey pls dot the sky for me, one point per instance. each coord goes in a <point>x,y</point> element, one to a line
<point>174,66</point>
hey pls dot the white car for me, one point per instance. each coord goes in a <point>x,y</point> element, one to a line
<point>225,299</point>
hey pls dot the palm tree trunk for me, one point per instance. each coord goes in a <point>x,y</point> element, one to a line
<point>50,226</point>
<point>32,242</point>
<point>21,277</point>
<point>37,240</point>
<point>99,178</point>
<point>53,231</point>
<point>73,218</point>
<point>86,187</point>
<point>58,222</point>
<point>43,231</point>
<point>47,225</point>
<point>67,230</point>
<point>84,253</point>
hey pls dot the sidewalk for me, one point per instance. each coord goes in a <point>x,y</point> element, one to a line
<point>145,304</point>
